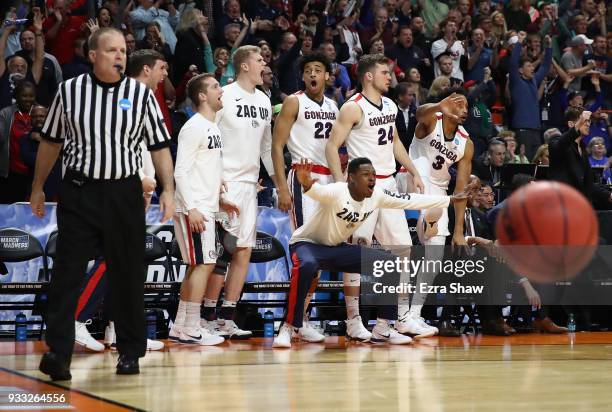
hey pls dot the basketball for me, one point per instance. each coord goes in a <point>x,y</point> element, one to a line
<point>548,231</point>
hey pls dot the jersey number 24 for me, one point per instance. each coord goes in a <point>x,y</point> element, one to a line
<point>384,137</point>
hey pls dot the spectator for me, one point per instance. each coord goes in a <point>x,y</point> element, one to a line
<point>433,12</point>
<point>79,64</point>
<point>130,43</point>
<point>269,86</point>
<point>61,31</point>
<point>596,150</point>
<point>51,71</point>
<point>542,155</point>
<point>479,57</point>
<point>603,61</point>
<point>419,39</point>
<point>484,8</point>
<point>550,133</point>
<point>406,53</point>
<point>104,18</point>
<point>571,61</point>
<point>600,126</point>
<point>509,138</point>
<point>192,44</point>
<point>339,72</point>
<point>378,47</point>
<point>516,16</point>
<point>154,40</point>
<point>405,121</point>
<point>451,45</point>
<point>524,85</point>
<point>439,84</point>
<point>148,12</point>
<point>15,123</point>
<point>445,63</point>
<point>534,49</point>
<point>29,147</point>
<point>499,28</point>
<point>382,29</point>
<point>413,76</point>
<point>488,167</point>
<point>232,13</point>
<point>479,122</point>
<point>16,68</point>
<point>287,63</point>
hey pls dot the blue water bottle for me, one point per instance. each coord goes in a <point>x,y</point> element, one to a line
<point>268,324</point>
<point>21,328</point>
<point>571,323</point>
<point>151,319</point>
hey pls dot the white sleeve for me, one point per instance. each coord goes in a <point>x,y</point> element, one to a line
<point>188,141</point>
<point>325,194</point>
<point>148,169</point>
<point>266,146</point>
<point>437,48</point>
<point>391,200</point>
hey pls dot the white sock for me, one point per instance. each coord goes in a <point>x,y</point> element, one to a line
<point>415,310</point>
<point>181,313</point>
<point>382,323</point>
<point>192,318</point>
<point>352,306</point>
<point>210,303</point>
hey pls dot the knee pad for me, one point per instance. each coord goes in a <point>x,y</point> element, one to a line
<point>351,279</point>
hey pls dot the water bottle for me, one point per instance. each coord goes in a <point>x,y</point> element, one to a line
<point>268,324</point>
<point>571,323</point>
<point>151,319</point>
<point>21,328</point>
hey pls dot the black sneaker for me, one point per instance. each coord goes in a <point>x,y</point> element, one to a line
<point>55,366</point>
<point>127,366</point>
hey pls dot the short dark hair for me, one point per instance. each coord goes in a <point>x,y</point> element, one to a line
<point>354,164</point>
<point>402,88</point>
<point>572,113</point>
<point>315,57</point>
<point>367,62</point>
<point>23,85</point>
<point>445,93</point>
<point>141,58</point>
<point>519,180</point>
<point>94,39</point>
<point>197,85</point>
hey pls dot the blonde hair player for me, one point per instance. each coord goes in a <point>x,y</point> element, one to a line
<point>304,125</point>
<point>367,124</point>
<point>245,124</point>
<point>198,185</point>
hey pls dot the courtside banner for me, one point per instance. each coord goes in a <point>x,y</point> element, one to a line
<point>488,275</point>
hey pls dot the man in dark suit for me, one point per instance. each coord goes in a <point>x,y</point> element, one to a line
<point>569,160</point>
<point>489,166</point>
<point>405,121</point>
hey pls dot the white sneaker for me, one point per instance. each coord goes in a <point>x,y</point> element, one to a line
<point>356,331</point>
<point>200,336</point>
<point>283,339</point>
<point>414,326</point>
<point>110,339</point>
<point>213,328</point>
<point>154,344</point>
<point>383,333</point>
<point>82,337</point>
<point>232,330</point>
<point>175,332</point>
<point>310,334</point>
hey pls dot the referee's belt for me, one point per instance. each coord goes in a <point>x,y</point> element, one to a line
<point>79,179</point>
<point>322,170</point>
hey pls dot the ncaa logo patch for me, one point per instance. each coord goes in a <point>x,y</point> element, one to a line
<point>456,140</point>
<point>125,104</point>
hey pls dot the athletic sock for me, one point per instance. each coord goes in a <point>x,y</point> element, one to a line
<point>192,318</point>
<point>181,312</point>
<point>352,306</point>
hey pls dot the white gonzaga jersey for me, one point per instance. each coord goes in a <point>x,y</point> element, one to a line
<point>433,155</point>
<point>338,215</point>
<point>311,130</point>
<point>373,136</point>
<point>245,123</point>
<point>198,166</point>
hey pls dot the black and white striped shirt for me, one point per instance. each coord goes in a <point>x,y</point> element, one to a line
<point>102,125</point>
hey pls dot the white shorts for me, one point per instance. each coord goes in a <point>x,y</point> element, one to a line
<point>431,189</point>
<point>196,248</point>
<point>244,227</point>
<point>388,225</point>
<point>401,179</point>
<point>303,207</point>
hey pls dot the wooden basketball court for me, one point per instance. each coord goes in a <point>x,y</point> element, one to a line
<point>472,373</point>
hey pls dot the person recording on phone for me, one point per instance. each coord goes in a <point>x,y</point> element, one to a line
<point>569,160</point>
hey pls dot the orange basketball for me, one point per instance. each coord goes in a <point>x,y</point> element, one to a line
<point>548,231</point>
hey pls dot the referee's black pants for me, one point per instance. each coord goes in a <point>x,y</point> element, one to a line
<point>93,216</point>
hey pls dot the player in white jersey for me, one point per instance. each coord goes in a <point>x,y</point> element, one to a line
<point>245,124</point>
<point>439,142</point>
<point>320,243</point>
<point>198,185</point>
<point>367,123</point>
<point>304,125</point>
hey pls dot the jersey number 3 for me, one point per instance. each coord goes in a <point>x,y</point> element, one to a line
<point>439,161</point>
<point>319,126</point>
<point>384,137</point>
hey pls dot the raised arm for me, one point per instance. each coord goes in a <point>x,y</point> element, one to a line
<point>280,137</point>
<point>39,46</point>
<point>401,155</point>
<point>6,32</point>
<point>426,114</point>
<point>350,115</point>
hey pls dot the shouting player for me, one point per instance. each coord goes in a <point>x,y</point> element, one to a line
<point>367,123</point>
<point>439,142</point>
<point>342,208</point>
<point>245,124</point>
<point>198,186</point>
<point>304,125</point>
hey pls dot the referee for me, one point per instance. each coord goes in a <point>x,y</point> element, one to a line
<point>99,120</point>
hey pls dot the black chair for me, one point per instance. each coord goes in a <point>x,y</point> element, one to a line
<point>155,248</point>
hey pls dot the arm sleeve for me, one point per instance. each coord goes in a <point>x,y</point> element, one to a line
<point>140,17</point>
<point>148,169</point>
<point>545,66</point>
<point>413,201</point>
<point>513,63</point>
<point>185,159</point>
<point>437,48</point>
<point>156,134</point>
<point>266,146</point>
<point>597,103</point>
<point>563,142</point>
<point>53,128</point>
<point>324,194</point>
<point>208,59</point>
